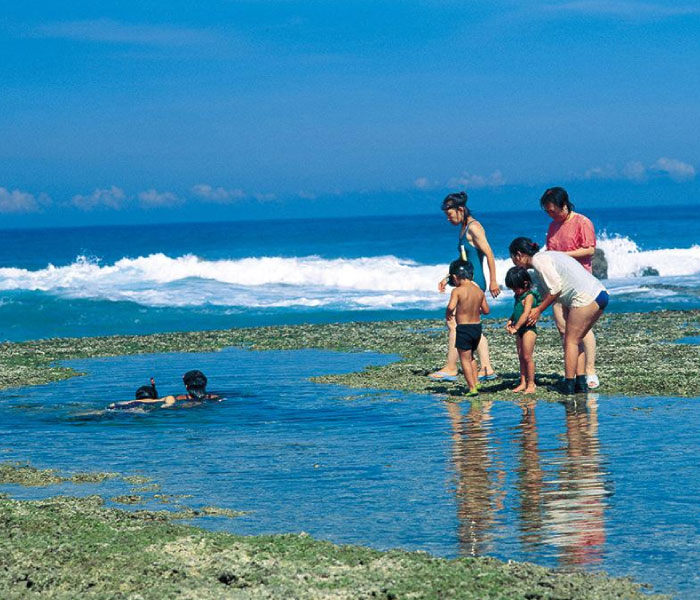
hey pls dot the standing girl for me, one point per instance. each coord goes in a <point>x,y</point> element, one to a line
<point>518,280</point>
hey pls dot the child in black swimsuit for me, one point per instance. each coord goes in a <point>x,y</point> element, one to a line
<point>518,280</point>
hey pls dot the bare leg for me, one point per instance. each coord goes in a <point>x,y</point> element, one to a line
<point>466,358</point>
<point>527,356</point>
<point>589,347</point>
<point>451,362</point>
<point>523,368</point>
<point>578,323</point>
<point>560,314</point>
<point>484,357</point>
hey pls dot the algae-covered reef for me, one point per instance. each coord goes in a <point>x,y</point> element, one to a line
<point>65,548</point>
<point>636,355</point>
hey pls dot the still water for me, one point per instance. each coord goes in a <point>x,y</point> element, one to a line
<point>607,483</point>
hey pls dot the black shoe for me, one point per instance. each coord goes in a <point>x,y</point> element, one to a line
<point>565,387</point>
<point>581,385</point>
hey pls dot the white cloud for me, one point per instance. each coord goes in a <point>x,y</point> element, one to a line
<point>113,198</point>
<point>470,180</point>
<point>606,172</point>
<point>627,8</point>
<point>674,168</point>
<point>154,199</point>
<point>218,195</point>
<point>17,201</point>
<point>422,183</point>
<point>634,171</point>
<point>116,32</point>
<point>260,197</point>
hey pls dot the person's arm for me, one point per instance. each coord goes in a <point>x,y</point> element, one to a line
<point>443,284</point>
<point>451,306</point>
<point>134,403</point>
<point>153,385</point>
<point>585,237</point>
<point>581,252</point>
<point>485,308</point>
<point>544,305</point>
<point>480,242</point>
<point>527,309</point>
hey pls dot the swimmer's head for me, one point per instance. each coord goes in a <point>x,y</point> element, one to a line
<point>460,269</point>
<point>146,392</point>
<point>195,383</point>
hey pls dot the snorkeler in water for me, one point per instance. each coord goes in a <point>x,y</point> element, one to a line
<point>195,385</point>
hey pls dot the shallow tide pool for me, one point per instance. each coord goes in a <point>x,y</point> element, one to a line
<point>606,483</point>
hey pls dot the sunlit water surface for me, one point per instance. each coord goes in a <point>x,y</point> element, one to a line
<point>606,484</point>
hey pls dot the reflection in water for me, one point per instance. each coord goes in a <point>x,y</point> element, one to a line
<point>575,507</point>
<point>479,485</point>
<point>530,479</point>
<point>562,499</point>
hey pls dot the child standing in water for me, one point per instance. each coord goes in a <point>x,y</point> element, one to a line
<point>518,280</point>
<point>467,303</point>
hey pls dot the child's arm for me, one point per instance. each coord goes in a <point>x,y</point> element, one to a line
<point>527,309</point>
<point>544,305</point>
<point>451,306</point>
<point>485,309</point>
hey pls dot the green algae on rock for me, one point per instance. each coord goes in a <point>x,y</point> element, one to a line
<point>26,475</point>
<point>64,548</point>
<point>636,355</point>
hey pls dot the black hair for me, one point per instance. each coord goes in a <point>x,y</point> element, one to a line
<point>462,269</point>
<point>523,245</point>
<point>195,384</point>
<point>146,392</point>
<point>557,196</point>
<point>456,200</point>
<point>517,277</point>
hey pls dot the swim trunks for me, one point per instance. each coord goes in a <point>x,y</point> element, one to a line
<point>468,336</point>
<point>602,299</point>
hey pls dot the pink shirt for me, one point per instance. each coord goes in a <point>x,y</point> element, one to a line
<point>574,233</point>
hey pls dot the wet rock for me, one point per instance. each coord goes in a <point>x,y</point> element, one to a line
<point>600,264</point>
<point>649,272</point>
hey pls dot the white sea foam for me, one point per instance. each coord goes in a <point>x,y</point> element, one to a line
<point>380,282</point>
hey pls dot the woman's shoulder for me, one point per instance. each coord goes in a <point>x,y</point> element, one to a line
<point>582,220</point>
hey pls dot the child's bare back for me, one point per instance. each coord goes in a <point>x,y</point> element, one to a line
<point>467,303</point>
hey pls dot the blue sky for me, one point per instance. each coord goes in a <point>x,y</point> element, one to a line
<point>143,111</point>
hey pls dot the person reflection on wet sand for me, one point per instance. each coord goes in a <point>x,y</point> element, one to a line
<point>530,480</point>
<point>479,486</point>
<point>576,510</point>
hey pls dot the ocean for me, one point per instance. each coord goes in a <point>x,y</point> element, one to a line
<point>193,276</point>
<point>597,485</point>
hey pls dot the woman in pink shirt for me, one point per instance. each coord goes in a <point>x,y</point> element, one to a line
<point>573,234</point>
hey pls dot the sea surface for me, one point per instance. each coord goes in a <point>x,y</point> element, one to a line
<point>610,483</point>
<point>195,276</point>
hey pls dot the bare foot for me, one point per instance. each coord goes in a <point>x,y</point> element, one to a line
<point>520,388</point>
<point>530,389</point>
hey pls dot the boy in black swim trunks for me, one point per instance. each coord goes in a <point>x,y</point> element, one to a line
<point>467,304</point>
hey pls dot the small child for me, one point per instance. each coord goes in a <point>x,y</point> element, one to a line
<point>467,303</point>
<point>518,280</point>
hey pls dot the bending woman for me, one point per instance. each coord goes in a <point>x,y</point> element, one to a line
<point>572,233</point>
<point>569,284</point>
<point>473,247</point>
